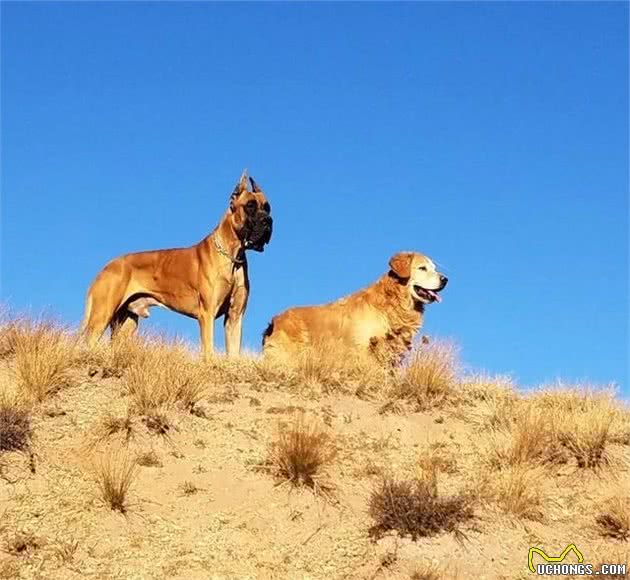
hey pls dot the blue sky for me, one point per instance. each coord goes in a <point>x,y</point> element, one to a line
<point>490,136</point>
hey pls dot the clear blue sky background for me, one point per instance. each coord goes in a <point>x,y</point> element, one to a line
<point>492,137</point>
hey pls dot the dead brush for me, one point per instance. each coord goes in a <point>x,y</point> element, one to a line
<point>530,440</point>
<point>436,458</point>
<point>302,453</point>
<point>585,431</point>
<point>15,425</point>
<point>44,354</point>
<point>115,357</point>
<point>114,473</point>
<point>614,519</point>
<point>22,543</point>
<point>161,376</point>
<point>416,508</point>
<point>429,378</point>
<point>330,367</point>
<point>111,426</point>
<point>517,490</point>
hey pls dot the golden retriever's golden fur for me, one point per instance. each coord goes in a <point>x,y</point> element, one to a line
<point>382,318</point>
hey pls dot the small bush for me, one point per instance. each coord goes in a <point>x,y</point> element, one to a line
<point>302,453</point>
<point>44,356</point>
<point>15,426</point>
<point>22,543</point>
<point>436,458</point>
<point>518,491</point>
<point>148,459</point>
<point>429,378</point>
<point>415,508</point>
<point>189,488</point>
<point>614,521</point>
<point>115,473</point>
<point>163,375</point>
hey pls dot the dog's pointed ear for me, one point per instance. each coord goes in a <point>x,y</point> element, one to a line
<point>255,186</point>
<point>400,264</point>
<point>241,186</point>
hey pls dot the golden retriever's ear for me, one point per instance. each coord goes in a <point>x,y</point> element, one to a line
<point>400,264</point>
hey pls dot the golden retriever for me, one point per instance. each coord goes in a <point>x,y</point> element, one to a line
<point>381,319</point>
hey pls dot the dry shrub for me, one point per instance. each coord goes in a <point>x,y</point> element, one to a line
<point>148,459</point>
<point>15,424</point>
<point>432,571</point>
<point>553,427</point>
<point>416,508</point>
<point>162,375</point>
<point>330,367</point>
<point>111,426</point>
<point>517,490</point>
<point>302,453</point>
<point>531,440</point>
<point>494,400</point>
<point>437,458</point>
<point>581,421</point>
<point>429,378</point>
<point>44,354</point>
<point>118,355</point>
<point>115,472</point>
<point>22,543</point>
<point>614,519</point>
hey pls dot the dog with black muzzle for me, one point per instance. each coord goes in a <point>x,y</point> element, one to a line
<point>204,281</point>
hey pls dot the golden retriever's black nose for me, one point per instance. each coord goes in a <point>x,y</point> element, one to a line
<point>443,280</point>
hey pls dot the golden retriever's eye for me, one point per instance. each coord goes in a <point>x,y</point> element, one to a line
<point>423,268</point>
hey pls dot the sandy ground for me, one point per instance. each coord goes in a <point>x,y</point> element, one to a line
<point>241,523</point>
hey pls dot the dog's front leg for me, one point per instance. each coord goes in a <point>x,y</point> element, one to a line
<point>206,317</point>
<point>206,329</point>
<point>233,325</point>
<point>233,334</point>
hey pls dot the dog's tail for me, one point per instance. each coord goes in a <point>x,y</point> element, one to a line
<point>87,313</point>
<point>267,333</point>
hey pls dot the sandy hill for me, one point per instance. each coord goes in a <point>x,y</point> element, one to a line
<point>138,461</point>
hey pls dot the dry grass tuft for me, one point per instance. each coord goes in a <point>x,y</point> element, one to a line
<point>415,508</point>
<point>15,425</point>
<point>114,425</point>
<point>163,375</point>
<point>432,571</point>
<point>44,354</point>
<point>533,433</point>
<point>517,490</point>
<point>189,488</point>
<point>437,458</point>
<point>158,423</point>
<point>330,367</point>
<point>65,550</point>
<point>429,378</point>
<point>302,454</point>
<point>614,521</point>
<point>114,473</point>
<point>148,459</point>
<point>22,543</point>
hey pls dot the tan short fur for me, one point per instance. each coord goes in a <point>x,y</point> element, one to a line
<point>204,281</point>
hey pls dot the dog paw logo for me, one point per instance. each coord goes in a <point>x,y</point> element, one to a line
<point>554,559</point>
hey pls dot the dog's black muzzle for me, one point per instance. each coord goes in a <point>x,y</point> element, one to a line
<point>260,229</point>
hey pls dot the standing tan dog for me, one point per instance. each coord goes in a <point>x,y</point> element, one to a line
<point>204,281</point>
<point>382,318</point>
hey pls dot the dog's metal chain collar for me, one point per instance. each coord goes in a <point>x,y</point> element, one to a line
<point>221,250</point>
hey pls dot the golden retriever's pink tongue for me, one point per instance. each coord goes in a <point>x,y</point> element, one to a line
<point>434,295</point>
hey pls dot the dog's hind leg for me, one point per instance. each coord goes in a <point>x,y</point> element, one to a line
<point>124,323</point>
<point>103,300</point>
